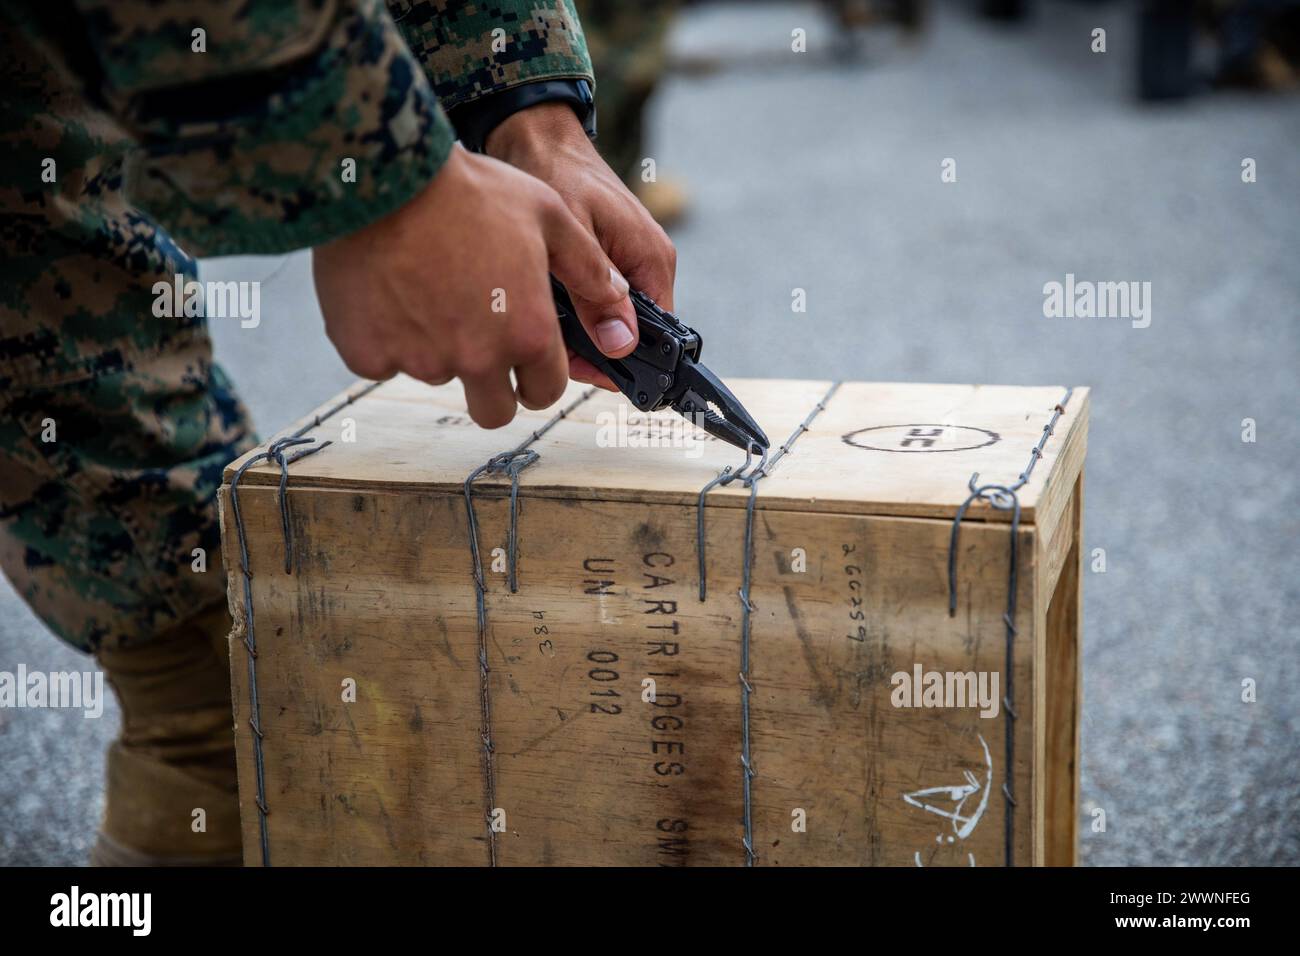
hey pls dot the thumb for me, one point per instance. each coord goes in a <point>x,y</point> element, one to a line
<point>598,290</point>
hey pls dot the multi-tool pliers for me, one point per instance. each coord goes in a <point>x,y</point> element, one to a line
<point>664,371</point>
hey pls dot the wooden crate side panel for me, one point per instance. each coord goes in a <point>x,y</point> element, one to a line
<point>825,737</point>
<point>382,593</point>
<point>589,770</point>
<point>1055,517</point>
<point>392,777</point>
<point>240,712</point>
<point>1062,609</point>
<point>828,739</point>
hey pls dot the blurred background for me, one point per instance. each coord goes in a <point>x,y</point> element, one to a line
<point>801,146</point>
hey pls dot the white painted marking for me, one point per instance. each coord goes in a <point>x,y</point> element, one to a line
<point>958,795</point>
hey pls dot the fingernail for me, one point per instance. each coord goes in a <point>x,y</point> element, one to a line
<point>613,335</point>
<point>617,281</point>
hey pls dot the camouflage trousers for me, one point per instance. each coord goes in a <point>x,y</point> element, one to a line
<point>115,424</point>
<point>628,47</point>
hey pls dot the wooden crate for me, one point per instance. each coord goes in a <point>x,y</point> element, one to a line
<point>849,587</point>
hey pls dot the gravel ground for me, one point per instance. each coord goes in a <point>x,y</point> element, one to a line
<point>823,176</point>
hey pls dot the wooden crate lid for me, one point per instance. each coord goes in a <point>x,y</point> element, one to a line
<point>893,449</point>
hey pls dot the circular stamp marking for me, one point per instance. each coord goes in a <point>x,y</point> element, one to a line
<point>921,438</point>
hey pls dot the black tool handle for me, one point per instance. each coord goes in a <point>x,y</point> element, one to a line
<point>646,376</point>
<point>575,335</point>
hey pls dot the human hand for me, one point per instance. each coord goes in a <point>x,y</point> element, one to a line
<point>549,142</point>
<point>455,284</point>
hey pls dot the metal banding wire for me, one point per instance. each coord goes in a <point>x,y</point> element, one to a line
<point>726,477</point>
<point>750,479</point>
<point>274,452</point>
<point>509,463</point>
<point>1004,498</point>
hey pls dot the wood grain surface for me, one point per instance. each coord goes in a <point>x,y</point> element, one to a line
<point>847,592</point>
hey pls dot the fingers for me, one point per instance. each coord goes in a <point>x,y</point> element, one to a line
<point>655,270</point>
<point>580,370</point>
<point>577,259</point>
<point>614,330</point>
<point>530,342</point>
<point>543,371</point>
<point>490,398</point>
<point>598,290</point>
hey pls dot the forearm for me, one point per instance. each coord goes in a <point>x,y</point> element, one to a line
<point>522,138</point>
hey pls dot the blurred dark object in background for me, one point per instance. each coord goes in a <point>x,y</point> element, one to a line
<point>628,46</point>
<point>1166,41</point>
<point>855,17</point>
<point>1259,44</point>
<point>1183,47</point>
<point>1256,43</point>
<point>1253,44</point>
<point>1005,9</point>
<point>863,13</point>
<point>629,51</point>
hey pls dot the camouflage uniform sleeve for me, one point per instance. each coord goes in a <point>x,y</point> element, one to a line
<point>266,125</point>
<point>471,49</point>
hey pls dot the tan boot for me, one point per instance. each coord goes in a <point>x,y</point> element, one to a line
<point>176,752</point>
<point>664,199</point>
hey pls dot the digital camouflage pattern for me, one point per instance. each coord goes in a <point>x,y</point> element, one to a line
<point>243,151</point>
<point>99,524</point>
<point>469,49</point>
<point>160,153</point>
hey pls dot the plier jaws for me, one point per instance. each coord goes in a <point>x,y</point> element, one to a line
<point>664,371</point>
<point>712,406</point>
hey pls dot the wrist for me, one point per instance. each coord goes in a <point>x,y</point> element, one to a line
<point>543,127</point>
<point>477,119</point>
